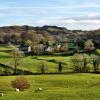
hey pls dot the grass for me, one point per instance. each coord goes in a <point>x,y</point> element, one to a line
<point>31,63</point>
<point>55,87</point>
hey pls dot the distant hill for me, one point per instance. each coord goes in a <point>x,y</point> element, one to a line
<point>54,31</point>
<point>20,29</point>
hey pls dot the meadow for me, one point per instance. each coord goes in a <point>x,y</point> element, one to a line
<point>31,63</point>
<point>55,87</point>
<point>65,86</point>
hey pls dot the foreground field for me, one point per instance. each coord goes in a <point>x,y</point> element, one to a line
<point>55,87</point>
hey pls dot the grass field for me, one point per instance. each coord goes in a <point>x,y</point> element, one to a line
<point>31,63</point>
<point>55,87</point>
<point>69,86</point>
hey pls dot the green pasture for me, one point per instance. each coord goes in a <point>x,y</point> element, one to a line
<point>55,87</point>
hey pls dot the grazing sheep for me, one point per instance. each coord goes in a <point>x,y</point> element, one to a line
<point>17,90</point>
<point>38,90</point>
<point>1,94</point>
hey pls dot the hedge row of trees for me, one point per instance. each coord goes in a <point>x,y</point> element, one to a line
<point>35,38</point>
<point>79,62</point>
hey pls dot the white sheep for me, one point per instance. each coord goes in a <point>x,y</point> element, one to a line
<point>38,90</point>
<point>17,90</point>
<point>1,94</point>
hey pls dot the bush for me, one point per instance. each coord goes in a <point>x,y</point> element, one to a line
<point>42,68</point>
<point>98,51</point>
<point>60,67</point>
<point>20,83</point>
<point>1,71</point>
<point>80,63</point>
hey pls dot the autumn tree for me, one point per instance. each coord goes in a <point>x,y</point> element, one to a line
<point>15,38</point>
<point>89,45</point>
<point>20,83</point>
<point>32,39</point>
<point>2,35</point>
<point>64,48</point>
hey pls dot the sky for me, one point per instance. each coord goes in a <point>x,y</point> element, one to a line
<point>72,14</point>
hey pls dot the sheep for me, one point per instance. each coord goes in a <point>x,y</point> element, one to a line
<point>17,90</point>
<point>38,90</point>
<point>1,94</point>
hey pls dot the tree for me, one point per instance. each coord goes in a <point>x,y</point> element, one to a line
<point>17,56</point>
<point>42,68</point>
<point>28,42</point>
<point>7,38</point>
<point>33,40</point>
<point>80,63</point>
<point>86,61</point>
<point>2,37</point>
<point>77,62</point>
<point>96,63</point>
<point>60,67</point>
<point>15,38</point>
<point>64,48</point>
<point>89,45</point>
<point>20,83</point>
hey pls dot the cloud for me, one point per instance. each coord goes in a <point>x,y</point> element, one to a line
<point>84,24</point>
<point>73,13</point>
<point>67,21</point>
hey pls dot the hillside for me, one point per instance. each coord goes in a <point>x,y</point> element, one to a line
<point>60,33</point>
<point>53,30</point>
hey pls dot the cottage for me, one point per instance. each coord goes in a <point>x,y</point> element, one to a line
<point>57,47</point>
<point>25,48</point>
<point>49,49</point>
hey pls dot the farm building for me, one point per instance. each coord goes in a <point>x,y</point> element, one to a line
<point>25,48</point>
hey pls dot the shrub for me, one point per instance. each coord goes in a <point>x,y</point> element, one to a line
<point>77,62</point>
<point>88,45</point>
<point>42,68</point>
<point>60,67</point>
<point>20,83</point>
<point>80,63</point>
<point>98,51</point>
<point>8,72</point>
<point>87,69</point>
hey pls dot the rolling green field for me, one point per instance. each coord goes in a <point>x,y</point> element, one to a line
<point>31,63</point>
<point>69,86</point>
<point>55,87</point>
